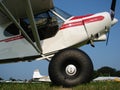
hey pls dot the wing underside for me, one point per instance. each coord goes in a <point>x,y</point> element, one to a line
<point>18,8</point>
<point>13,10</point>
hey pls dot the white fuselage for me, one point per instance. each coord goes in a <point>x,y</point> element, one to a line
<point>75,30</point>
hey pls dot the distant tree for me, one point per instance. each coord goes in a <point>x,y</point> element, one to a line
<point>1,78</point>
<point>25,80</point>
<point>106,71</point>
<point>18,80</point>
<point>12,79</point>
<point>95,74</point>
<point>31,80</point>
<point>117,73</point>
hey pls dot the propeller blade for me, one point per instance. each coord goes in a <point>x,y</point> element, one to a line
<point>112,14</point>
<point>108,35</point>
<point>112,11</point>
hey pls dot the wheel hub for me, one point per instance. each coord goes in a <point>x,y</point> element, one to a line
<point>71,70</point>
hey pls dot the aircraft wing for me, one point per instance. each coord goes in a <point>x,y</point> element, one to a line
<point>17,8</point>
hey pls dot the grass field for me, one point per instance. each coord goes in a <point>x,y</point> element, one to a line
<point>47,86</point>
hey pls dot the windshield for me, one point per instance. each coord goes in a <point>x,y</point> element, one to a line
<point>62,13</point>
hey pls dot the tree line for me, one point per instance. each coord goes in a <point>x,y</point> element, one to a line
<point>106,71</point>
<point>103,71</point>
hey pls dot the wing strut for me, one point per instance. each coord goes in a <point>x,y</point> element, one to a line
<point>30,15</point>
<point>4,9</point>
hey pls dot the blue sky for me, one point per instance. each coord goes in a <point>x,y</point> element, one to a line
<point>101,55</point>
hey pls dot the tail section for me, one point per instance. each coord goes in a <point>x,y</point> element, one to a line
<point>36,74</point>
<point>40,78</point>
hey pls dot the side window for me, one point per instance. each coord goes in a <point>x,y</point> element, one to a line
<point>41,20</point>
<point>11,30</point>
<point>47,26</point>
<point>46,23</point>
<point>53,19</point>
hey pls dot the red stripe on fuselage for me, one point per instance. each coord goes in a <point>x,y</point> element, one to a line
<point>82,22</point>
<point>12,38</point>
<point>93,19</point>
<point>73,24</point>
<point>79,17</point>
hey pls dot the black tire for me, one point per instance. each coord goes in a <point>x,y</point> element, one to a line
<point>61,75</point>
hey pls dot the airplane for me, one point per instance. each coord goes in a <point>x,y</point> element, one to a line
<point>40,78</point>
<point>105,78</point>
<point>37,30</point>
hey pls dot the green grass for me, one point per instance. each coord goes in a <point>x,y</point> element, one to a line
<point>99,86</point>
<point>48,86</point>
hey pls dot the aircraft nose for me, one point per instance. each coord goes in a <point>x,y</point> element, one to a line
<point>114,21</point>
